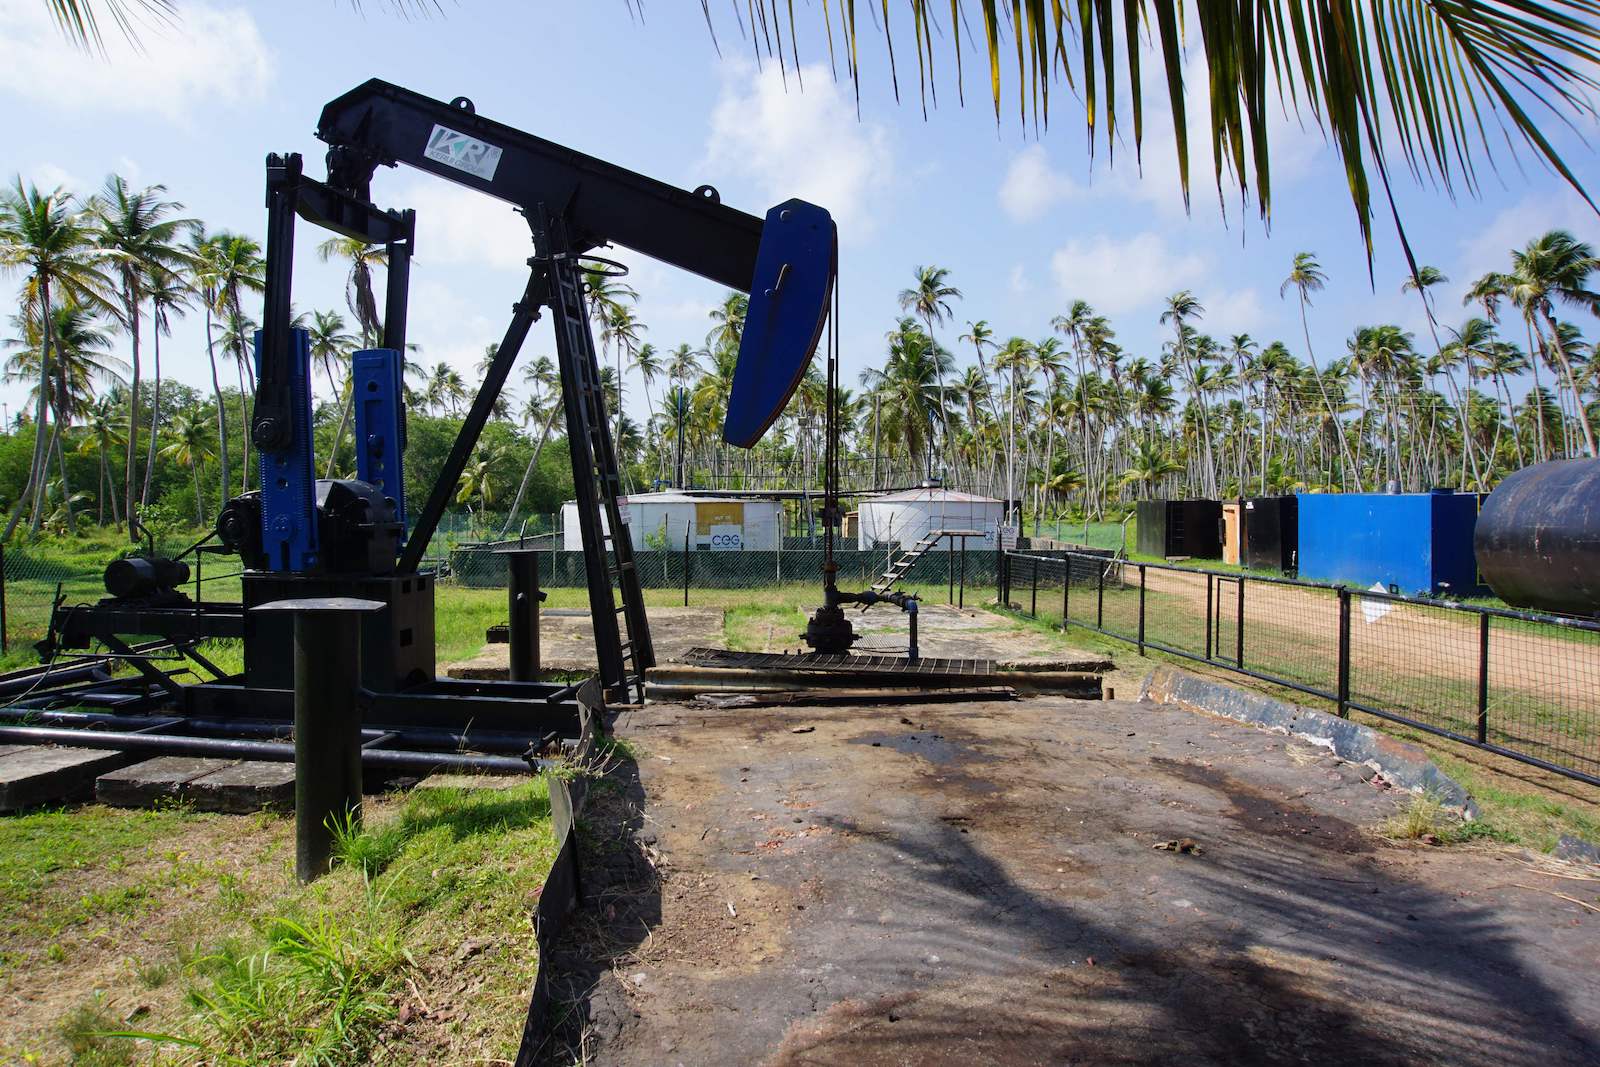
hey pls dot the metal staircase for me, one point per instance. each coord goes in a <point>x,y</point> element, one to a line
<point>897,569</point>
<point>607,548</point>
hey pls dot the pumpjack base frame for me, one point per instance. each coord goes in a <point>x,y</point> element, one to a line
<point>175,692</point>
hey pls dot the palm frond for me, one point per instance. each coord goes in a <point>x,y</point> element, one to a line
<point>1427,85</point>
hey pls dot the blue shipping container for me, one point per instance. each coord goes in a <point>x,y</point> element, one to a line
<point>1416,543</point>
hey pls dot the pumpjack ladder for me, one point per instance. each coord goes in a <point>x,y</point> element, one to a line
<point>597,482</point>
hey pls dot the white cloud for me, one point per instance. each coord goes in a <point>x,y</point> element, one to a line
<point>1122,274</point>
<point>48,176</point>
<point>801,143</point>
<point>209,56</point>
<point>1231,312</point>
<point>1031,186</point>
<point>456,225</point>
<point>1490,247</point>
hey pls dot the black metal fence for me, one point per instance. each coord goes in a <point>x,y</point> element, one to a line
<point>1519,684</point>
<point>701,578</point>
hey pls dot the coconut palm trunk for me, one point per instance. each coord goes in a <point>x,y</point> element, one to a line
<point>527,475</point>
<point>155,420</point>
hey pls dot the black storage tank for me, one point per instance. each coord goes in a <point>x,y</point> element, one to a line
<point>1538,537</point>
<point>1180,528</point>
<point>1272,533</point>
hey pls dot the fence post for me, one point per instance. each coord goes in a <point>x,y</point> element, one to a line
<point>1238,634</point>
<point>1343,682</point>
<point>688,564</point>
<point>950,572</point>
<point>4,646</point>
<point>1033,606</point>
<point>1066,593</point>
<point>1141,609</point>
<point>1209,611</point>
<point>1100,600</point>
<point>960,603</point>
<point>1483,678</point>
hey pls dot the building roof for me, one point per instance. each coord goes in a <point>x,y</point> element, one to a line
<point>930,494</point>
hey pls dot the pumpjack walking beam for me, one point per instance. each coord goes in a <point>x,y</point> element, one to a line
<point>573,204</point>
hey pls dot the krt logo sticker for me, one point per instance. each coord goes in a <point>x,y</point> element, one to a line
<point>462,152</point>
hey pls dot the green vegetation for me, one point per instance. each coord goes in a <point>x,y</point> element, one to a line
<point>191,931</point>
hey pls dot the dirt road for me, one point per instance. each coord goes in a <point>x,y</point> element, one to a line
<point>978,884</point>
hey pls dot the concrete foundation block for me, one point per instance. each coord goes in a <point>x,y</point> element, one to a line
<point>31,775</point>
<point>147,784</point>
<point>244,787</point>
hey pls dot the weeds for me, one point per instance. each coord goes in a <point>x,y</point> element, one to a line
<point>87,1031</point>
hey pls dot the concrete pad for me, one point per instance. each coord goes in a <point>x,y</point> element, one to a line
<point>243,788</point>
<point>1009,883</point>
<point>143,785</point>
<point>31,775</point>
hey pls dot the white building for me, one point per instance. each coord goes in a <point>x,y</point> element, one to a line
<point>714,522</point>
<point>905,518</point>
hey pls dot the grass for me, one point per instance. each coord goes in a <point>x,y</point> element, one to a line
<point>419,945</point>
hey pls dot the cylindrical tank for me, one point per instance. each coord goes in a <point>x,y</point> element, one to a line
<point>139,576</point>
<point>1538,537</point>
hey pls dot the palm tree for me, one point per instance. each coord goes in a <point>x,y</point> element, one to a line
<point>445,389</point>
<point>143,232</point>
<point>1306,277</point>
<point>79,357</point>
<point>50,241</point>
<point>1182,307</point>
<point>1555,268</point>
<point>169,297</point>
<point>330,345</point>
<point>544,401</point>
<point>191,444</point>
<point>477,480</point>
<point>1151,463</point>
<point>929,299</point>
<point>1436,65</point>
<point>100,423</point>
<point>360,297</point>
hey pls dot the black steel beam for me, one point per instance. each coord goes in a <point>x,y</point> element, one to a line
<point>379,122</point>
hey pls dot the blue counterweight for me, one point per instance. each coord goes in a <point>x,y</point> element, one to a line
<point>376,377</point>
<point>288,481</point>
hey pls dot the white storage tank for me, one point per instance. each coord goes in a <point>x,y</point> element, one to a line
<point>718,523</point>
<point>905,518</point>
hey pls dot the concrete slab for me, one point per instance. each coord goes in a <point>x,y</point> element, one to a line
<point>1009,883</point>
<point>244,787</point>
<point>146,784</point>
<point>566,642</point>
<point>31,775</point>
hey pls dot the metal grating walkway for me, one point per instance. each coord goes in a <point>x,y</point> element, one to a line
<point>817,661</point>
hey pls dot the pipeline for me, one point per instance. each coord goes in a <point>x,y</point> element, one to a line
<point>268,751</point>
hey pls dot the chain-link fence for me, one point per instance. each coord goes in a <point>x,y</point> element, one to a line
<point>731,579</point>
<point>1517,683</point>
<point>34,578</point>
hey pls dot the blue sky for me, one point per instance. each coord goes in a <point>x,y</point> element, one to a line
<point>1025,223</point>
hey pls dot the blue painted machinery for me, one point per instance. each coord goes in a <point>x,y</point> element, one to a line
<point>301,536</point>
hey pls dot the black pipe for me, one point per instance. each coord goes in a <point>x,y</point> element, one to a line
<point>524,595</point>
<point>266,751</point>
<point>419,737</point>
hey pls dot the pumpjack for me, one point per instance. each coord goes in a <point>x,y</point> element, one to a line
<point>299,536</point>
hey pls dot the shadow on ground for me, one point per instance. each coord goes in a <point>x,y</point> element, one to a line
<point>827,897</point>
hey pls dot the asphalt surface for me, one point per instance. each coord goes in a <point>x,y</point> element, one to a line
<point>980,883</point>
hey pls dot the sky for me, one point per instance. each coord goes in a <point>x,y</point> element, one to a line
<point>1025,220</point>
